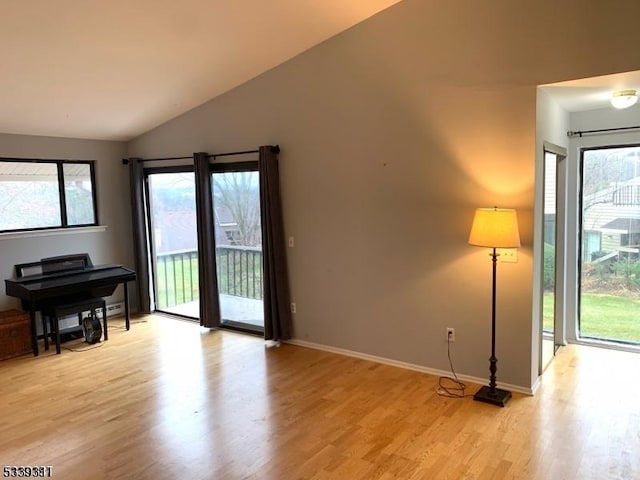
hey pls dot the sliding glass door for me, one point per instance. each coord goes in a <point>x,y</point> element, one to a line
<point>236,205</point>
<point>609,300</point>
<point>238,236</point>
<point>549,229</point>
<point>174,242</point>
<point>553,280</point>
<point>549,235</point>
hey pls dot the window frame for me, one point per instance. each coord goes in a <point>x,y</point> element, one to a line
<point>64,224</point>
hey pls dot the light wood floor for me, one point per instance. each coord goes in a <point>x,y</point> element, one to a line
<point>168,400</point>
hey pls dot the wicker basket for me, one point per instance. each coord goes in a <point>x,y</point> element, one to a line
<point>15,334</point>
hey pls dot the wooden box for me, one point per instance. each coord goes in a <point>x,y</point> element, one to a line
<point>15,334</point>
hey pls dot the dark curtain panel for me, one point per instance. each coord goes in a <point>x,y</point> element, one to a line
<point>277,313</point>
<point>140,241</point>
<point>209,299</point>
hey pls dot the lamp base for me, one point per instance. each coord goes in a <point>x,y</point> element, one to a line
<point>498,397</point>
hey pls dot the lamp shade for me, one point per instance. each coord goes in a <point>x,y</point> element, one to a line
<point>495,228</point>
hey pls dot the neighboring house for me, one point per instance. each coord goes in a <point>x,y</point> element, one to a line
<point>611,222</point>
<point>176,231</point>
<point>227,230</point>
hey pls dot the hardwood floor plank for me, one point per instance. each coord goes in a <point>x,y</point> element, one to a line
<point>171,400</point>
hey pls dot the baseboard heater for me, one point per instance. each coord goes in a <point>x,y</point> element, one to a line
<point>113,310</point>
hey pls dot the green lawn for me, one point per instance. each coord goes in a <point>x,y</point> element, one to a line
<point>602,316</point>
<point>177,282</point>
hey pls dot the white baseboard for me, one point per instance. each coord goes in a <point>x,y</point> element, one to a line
<point>535,387</point>
<point>409,366</point>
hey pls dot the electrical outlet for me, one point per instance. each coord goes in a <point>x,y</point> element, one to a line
<point>293,307</point>
<point>451,334</point>
<point>507,255</point>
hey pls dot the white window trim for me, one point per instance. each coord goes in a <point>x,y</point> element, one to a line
<point>52,232</point>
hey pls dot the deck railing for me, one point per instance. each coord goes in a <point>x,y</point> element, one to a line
<point>626,196</point>
<point>239,273</point>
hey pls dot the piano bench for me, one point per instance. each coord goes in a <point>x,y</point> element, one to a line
<point>55,312</point>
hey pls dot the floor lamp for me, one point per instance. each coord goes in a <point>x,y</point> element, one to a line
<point>494,228</point>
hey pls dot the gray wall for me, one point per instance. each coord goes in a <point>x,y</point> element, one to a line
<point>392,133</point>
<point>112,245</point>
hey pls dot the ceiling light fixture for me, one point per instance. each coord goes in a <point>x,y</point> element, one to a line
<point>624,98</point>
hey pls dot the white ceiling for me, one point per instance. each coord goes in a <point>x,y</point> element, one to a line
<point>591,93</point>
<point>115,69</point>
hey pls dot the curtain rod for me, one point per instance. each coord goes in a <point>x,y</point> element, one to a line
<point>579,133</point>
<point>274,149</point>
<point>227,154</point>
<point>125,161</point>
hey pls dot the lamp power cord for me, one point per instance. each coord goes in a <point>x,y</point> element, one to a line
<point>451,387</point>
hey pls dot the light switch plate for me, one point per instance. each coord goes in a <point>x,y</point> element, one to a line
<point>507,255</point>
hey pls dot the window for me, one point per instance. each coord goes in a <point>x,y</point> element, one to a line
<point>609,266</point>
<point>39,194</point>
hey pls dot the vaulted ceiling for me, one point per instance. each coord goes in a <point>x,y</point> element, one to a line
<point>115,69</point>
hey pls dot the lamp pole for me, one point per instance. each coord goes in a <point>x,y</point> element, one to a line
<point>493,368</point>
<point>492,394</point>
